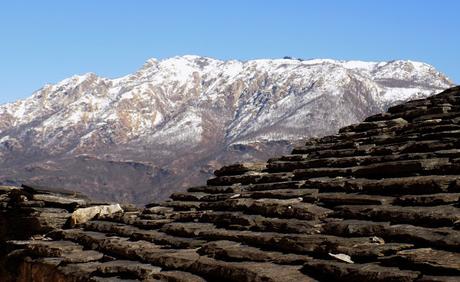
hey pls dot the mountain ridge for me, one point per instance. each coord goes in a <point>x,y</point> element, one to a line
<point>189,108</point>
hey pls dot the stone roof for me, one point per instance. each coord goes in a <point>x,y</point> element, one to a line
<point>379,201</point>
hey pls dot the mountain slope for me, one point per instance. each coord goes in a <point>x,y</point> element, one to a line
<point>172,122</point>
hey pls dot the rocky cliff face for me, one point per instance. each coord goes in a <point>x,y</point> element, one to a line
<point>170,124</point>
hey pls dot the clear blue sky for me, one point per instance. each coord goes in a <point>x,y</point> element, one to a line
<point>46,41</point>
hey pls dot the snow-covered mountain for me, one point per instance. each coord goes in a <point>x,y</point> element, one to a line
<point>173,121</point>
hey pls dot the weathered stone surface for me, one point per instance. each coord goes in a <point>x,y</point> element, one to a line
<point>78,271</point>
<point>216,189</point>
<point>321,172</point>
<point>200,196</point>
<point>164,239</point>
<point>158,210</point>
<point>46,270</point>
<point>296,243</point>
<point>423,216</point>
<point>241,221</point>
<point>292,208</point>
<point>432,278</point>
<point>149,223</point>
<point>251,178</point>
<point>360,151</point>
<point>38,189</point>
<point>134,268</point>
<point>444,238</point>
<point>59,201</point>
<point>339,271</point>
<point>112,279</point>
<point>355,228</point>
<point>83,256</point>
<point>182,205</point>
<point>436,261</point>
<point>312,147</point>
<point>42,220</point>
<point>82,215</point>
<point>52,248</point>
<point>234,251</point>
<point>379,154</point>
<point>415,185</point>
<point>273,186</point>
<point>336,199</point>
<point>111,227</point>
<point>364,126</point>
<point>400,168</point>
<point>177,276</point>
<point>240,168</point>
<point>248,271</point>
<point>428,200</point>
<point>307,195</point>
<point>6,189</point>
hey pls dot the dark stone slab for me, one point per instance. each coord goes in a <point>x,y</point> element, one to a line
<point>250,178</point>
<point>213,269</point>
<point>291,208</point>
<point>240,168</point>
<point>234,251</point>
<point>414,185</point>
<point>428,200</point>
<point>422,216</point>
<point>326,270</point>
<point>335,199</point>
<point>428,260</point>
<point>443,238</point>
<point>37,189</point>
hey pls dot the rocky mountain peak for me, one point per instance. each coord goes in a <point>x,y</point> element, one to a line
<point>191,105</point>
